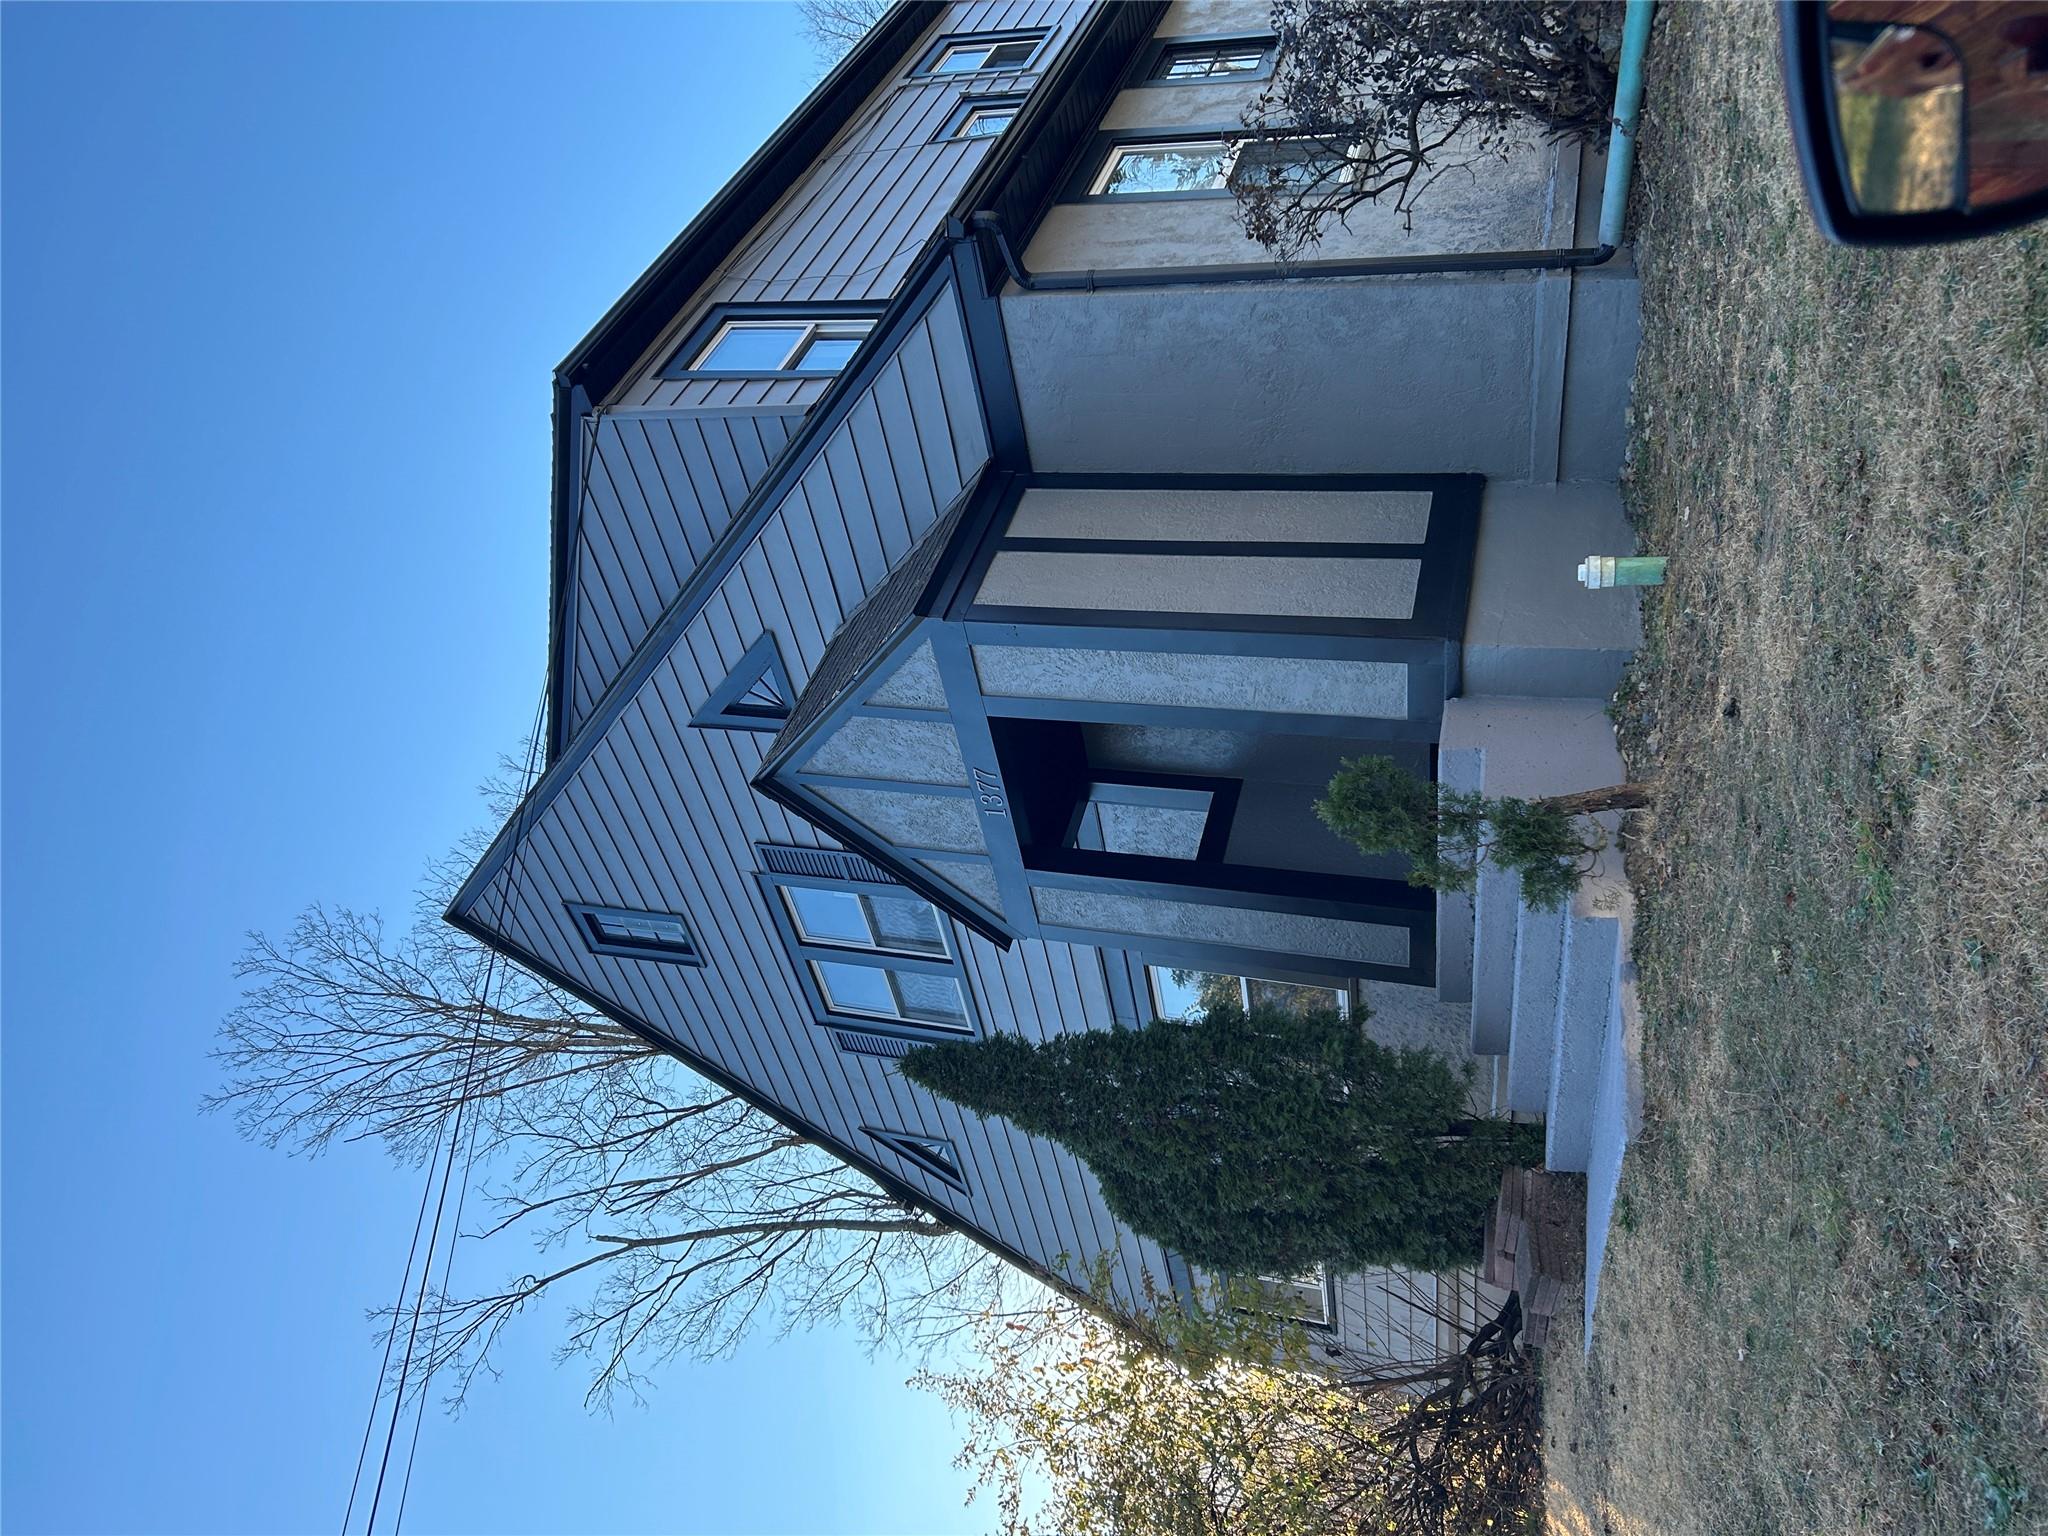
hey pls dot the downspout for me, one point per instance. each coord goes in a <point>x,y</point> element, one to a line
<point>1628,99</point>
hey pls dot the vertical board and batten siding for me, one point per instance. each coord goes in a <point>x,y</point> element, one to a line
<point>658,490</point>
<point>853,227</point>
<point>661,816</point>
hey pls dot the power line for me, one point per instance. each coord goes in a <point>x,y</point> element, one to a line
<point>452,1128</point>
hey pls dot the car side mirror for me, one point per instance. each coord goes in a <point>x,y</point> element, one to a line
<point>1918,120</point>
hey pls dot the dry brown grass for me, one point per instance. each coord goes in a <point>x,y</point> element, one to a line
<point>1826,1300</point>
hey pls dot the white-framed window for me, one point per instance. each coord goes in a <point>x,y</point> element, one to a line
<point>1215,165</point>
<point>792,345</point>
<point>1186,165</point>
<point>985,122</point>
<point>970,55</point>
<point>1209,61</point>
<point>1305,1298</point>
<point>1179,992</point>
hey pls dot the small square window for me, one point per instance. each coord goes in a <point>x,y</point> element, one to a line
<point>1199,165</point>
<point>1210,61</point>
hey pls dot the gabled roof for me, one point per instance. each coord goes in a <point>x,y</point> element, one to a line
<point>600,361</point>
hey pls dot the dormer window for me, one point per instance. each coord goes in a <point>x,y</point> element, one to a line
<point>781,345</point>
<point>973,55</point>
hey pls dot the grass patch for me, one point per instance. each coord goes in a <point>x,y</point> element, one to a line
<point>1827,1307</point>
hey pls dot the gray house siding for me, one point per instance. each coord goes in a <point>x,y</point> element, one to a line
<point>658,490</point>
<point>652,813</point>
<point>853,228</point>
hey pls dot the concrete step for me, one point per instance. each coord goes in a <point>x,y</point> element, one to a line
<point>1588,969</point>
<point>1539,952</point>
<point>1611,1117</point>
<point>1496,910</point>
<point>1456,768</point>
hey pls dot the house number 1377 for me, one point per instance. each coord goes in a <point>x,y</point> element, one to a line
<point>989,791</point>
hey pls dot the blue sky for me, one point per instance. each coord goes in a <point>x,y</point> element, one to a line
<point>283,291</point>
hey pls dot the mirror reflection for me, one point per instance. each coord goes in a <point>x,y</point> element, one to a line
<point>1940,104</point>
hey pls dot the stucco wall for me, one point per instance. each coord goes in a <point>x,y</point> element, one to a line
<point>1493,205</point>
<point>1531,630</point>
<point>1403,375</point>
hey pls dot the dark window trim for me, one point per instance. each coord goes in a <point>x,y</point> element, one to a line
<point>956,120</point>
<point>946,1169</point>
<point>587,914</point>
<point>802,953</point>
<point>699,336</point>
<point>925,69</point>
<point>723,711</point>
<point>1147,65</point>
<point>1088,165</point>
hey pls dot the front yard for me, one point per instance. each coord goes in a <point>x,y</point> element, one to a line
<point>1826,1297</point>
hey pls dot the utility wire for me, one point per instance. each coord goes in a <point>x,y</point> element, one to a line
<point>451,1128</point>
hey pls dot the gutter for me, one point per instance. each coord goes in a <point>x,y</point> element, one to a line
<point>1628,98</point>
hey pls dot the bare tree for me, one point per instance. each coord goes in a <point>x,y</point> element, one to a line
<point>675,1216</point>
<point>834,26</point>
<point>1375,101</point>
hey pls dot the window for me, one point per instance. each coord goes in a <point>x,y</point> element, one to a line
<point>1179,991</point>
<point>1194,165</point>
<point>985,122</point>
<point>797,344</point>
<point>1210,61</point>
<point>934,1155</point>
<point>968,55</point>
<point>979,117</point>
<point>894,925</point>
<point>883,992</point>
<point>636,935</point>
<point>1197,166</point>
<point>1305,1298</point>
<point>872,953</point>
<point>1291,164</point>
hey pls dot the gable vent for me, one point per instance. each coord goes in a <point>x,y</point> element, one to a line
<point>823,864</point>
<point>857,1043</point>
<point>755,695</point>
<point>932,1154</point>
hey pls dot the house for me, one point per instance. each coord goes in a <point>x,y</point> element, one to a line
<point>971,557</point>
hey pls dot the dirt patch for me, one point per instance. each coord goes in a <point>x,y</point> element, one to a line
<point>1825,1304</point>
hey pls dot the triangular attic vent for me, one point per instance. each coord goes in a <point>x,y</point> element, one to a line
<point>933,1154</point>
<point>755,695</point>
